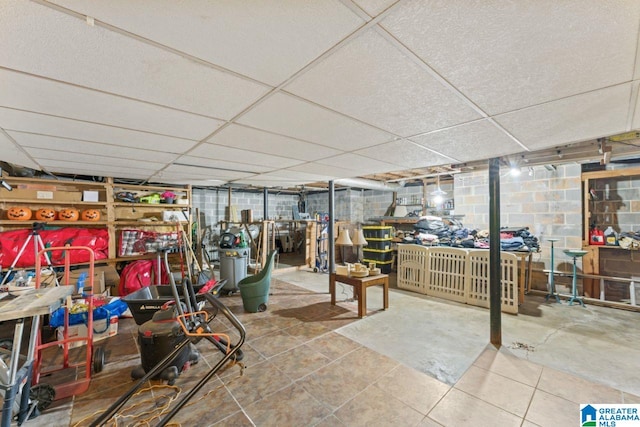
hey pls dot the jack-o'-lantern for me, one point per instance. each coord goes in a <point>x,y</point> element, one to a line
<point>68,214</point>
<point>18,213</point>
<point>45,214</point>
<point>90,215</point>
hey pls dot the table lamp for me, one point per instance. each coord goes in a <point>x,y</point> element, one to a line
<point>343,240</point>
<point>359,241</point>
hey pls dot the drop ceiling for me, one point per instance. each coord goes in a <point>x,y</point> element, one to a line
<point>287,93</point>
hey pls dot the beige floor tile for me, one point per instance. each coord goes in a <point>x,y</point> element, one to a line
<point>503,363</point>
<point>238,419</point>
<point>500,391</point>
<point>258,328</point>
<point>275,343</point>
<point>630,398</point>
<point>299,361</point>
<point>576,389</point>
<point>331,421</point>
<point>333,345</point>
<point>368,364</point>
<point>307,331</point>
<point>459,409</point>
<point>257,382</point>
<point>291,406</point>
<point>420,391</point>
<point>428,422</point>
<point>549,410</point>
<point>529,424</point>
<point>376,407</point>
<point>335,383</point>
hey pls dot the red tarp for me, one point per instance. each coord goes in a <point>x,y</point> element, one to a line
<point>94,238</point>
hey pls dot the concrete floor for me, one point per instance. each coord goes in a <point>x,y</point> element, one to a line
<point>443,338</point>
<point>423,362</point>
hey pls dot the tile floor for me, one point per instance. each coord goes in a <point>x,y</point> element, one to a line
<point>301,368</point>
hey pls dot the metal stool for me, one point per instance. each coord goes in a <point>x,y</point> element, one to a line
<point>552,286</point>
<point>575,254</point>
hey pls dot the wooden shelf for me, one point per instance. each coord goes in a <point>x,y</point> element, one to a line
<point>26,224</point>
<point>115,215</point>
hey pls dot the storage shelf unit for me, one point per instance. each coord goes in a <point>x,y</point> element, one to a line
<point>116,215</point>
<point>609,199</point>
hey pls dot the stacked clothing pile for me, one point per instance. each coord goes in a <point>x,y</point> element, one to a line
<point>629,240</point>
<point>434,231</point>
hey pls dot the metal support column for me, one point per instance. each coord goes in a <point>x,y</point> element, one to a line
<point>331,243</point>
<point>495,278</point>
<point>265,203</point>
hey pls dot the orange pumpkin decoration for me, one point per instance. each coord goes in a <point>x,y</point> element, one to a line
<point>45,214</point>
<point>18,213</point>
<point>69,214</point>
<point>90,215</point>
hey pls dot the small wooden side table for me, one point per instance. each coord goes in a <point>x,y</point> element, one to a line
<point>360,286</point>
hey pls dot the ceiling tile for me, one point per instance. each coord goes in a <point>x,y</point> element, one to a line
<point>371,80</point>
<point>636,112</point>
<point>293,32</point>
<point>180,179</point>
<point>108,61</point>
<point>219,152</point>
<point>578,118</point>
<point>406,155</point>
<point>257,141</point>
<point>70,147</point>
<point>14,120</point>
<point>221,165</point>
<point>266,181</point>
<point>288,115</point>
<point>360,164</point>
<point>472,141</point>
<point>74,168</point>
<point>44,156</point>
<point>202,173</point>
<point>11,153</point>
<point>510,55</point>
<point>324,170</point>
<point>25,92</point>
<point>374,7</point>
<point>282,179</point>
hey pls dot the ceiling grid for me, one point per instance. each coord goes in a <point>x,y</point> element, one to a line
<point>266,93</point>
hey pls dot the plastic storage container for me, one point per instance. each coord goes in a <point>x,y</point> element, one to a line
<point>377,255</point>
<point>380,232</point>
<point>380,245</point>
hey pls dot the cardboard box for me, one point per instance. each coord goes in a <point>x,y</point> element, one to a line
<point>90,196</point>
<point>26,194</point>
<point>128,213</point>
<point>67,196</point>
<point>104,331</point>
<point>173,216</point>
<point>98,279</point>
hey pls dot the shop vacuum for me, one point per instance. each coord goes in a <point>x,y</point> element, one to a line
<point>163,334</point>
<point>157,338</point>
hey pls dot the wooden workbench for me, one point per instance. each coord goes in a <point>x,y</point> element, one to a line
<point>31,304</point>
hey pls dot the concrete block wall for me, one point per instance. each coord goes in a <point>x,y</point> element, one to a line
<point>212,203</point>
<point>548,202</point>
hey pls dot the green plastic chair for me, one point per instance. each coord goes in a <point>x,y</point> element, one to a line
<point>255,289</point>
